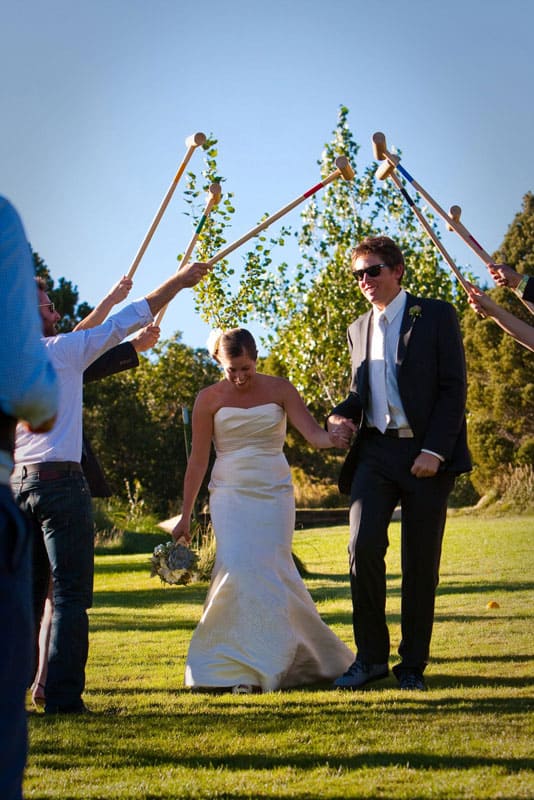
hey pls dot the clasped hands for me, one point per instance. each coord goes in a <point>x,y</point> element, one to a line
<point>342,430</point>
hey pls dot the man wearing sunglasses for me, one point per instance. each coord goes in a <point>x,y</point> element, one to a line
<point>407,408</point>
<point>49,485</point>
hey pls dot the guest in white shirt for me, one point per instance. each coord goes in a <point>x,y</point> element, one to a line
<point>49,485</point>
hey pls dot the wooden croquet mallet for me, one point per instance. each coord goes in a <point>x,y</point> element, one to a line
<point>214,196</point>
<point>192,142</point>
<point>455,213</point>
<point>343,169</point>
<point>381,153</point>
<point>380,174</point>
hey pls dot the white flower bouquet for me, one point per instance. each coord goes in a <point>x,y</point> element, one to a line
<point>174,563</point>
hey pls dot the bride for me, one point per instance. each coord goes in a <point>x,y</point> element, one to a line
<point>260,629</point>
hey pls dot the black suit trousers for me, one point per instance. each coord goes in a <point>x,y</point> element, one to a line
<point>382,480</point>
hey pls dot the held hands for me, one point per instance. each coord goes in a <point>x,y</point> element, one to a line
<point>341,430</point>
<point>425,465</point>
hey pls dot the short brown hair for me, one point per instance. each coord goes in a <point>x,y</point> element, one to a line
<point>233,343</point>
<point>381,246</point>
<point>41,283</point>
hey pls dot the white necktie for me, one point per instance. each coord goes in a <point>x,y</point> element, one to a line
<point>378,387</point>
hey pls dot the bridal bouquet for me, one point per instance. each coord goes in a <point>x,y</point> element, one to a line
<point>174,563</point>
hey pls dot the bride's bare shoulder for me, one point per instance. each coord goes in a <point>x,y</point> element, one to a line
<point>274,387</point>
<point>209,397</point>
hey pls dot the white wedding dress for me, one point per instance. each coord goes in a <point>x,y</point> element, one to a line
<point>259,625</point>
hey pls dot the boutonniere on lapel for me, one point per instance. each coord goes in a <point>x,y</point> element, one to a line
<point>415,312</point>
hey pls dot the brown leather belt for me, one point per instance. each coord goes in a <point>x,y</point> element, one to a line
<point>46,470</point>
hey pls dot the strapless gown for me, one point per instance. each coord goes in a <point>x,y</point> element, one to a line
<point>259,625</point>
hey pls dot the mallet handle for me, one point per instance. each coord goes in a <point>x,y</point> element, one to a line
<point>381,152</point>
<point>344,170</point>
<point>214,196</point>
<point>192,142</point>
<point>431,233</point>
<point>456,225</point>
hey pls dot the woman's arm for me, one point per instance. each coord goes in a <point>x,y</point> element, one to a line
<point>202,424</point>
<point>300,417</point>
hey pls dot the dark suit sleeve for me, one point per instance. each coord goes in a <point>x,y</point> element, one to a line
<point>350,407</point>
<point>528,294</point>
<point>447,416</point>
<point>119,358</point>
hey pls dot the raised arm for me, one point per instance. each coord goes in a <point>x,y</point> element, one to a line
<point>117,294</point>
<point>186,278</point>
<point>504,275</point>
<point>521,331</point>
<point>202,424</point>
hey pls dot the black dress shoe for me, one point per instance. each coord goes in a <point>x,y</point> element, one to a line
<point>411,680</point>
<point>359,674</point>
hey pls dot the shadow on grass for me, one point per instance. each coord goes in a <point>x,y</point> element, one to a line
<point>103,622</point>
<point>151,598</point>
<point>511,658</point>
<point>131,543</point>
<point>139,750</point>
<point>126,567</point>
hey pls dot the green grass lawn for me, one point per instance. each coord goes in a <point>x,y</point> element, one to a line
<point>469,736</point>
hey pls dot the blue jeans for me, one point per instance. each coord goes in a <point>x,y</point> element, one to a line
<point>16,633</point>
<point>61,513</point>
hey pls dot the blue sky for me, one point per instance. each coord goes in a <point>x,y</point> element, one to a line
<point>98,97</point>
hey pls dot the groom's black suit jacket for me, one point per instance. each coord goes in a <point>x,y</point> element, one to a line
<point>431,377</point>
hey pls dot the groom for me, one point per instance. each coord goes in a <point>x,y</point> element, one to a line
<point>406,405</point>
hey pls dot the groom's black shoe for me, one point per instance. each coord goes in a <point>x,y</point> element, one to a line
<point>359,674</point>
<point>410,679</point>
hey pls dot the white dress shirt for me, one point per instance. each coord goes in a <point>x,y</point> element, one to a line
<point>70,354</point>
<point>393,313</point>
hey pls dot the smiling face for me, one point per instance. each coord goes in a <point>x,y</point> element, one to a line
<point>239,370</point>
<point>384,287</point>
<point>49,316</point>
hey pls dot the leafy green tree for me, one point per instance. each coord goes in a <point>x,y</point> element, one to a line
<point>517,248</point>
<point>226,299</point>
<point>500,371</point>
<point>307,308</point>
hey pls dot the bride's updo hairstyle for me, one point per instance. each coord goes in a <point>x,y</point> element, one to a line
<point>232,343</point>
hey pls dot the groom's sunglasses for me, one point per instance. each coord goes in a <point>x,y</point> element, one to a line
<point>372,272</point>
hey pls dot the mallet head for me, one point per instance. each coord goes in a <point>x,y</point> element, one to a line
<point>215,192</point>
<point>379,146</point>
<point>385,170</point>
<point>344,167</point>
<point>195,140</point>
<point>455,212</point>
